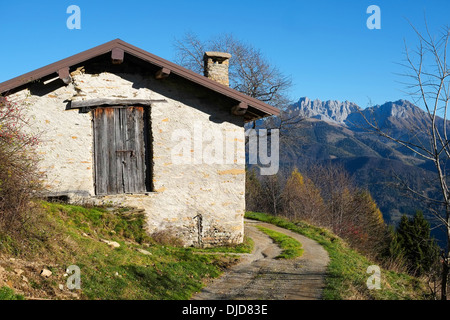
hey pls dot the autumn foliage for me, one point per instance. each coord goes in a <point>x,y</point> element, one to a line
<point>325,197</point>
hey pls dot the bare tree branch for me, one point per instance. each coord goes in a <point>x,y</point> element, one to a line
<point>429,74</point>
<point>250,72</point>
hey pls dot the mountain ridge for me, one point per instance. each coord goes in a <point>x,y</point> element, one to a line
<point>330,110</point>
<point>346,112</point>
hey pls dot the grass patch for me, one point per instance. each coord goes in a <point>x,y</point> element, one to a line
<point>8,294</point>
<point>346,274</point>
<point>290,247</point>
<point>124,273</point>
<point>100,221</point>
<point>172,274</point>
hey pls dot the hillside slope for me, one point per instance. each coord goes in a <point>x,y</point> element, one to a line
<point>347,275</point>
<point>117,259</point>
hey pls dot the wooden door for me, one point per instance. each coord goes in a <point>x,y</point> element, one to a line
<point>120,153</point>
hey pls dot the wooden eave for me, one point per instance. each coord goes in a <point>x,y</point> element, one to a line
<point>256,108</point>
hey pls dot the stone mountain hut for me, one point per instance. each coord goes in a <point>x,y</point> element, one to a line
<point>122,126</point>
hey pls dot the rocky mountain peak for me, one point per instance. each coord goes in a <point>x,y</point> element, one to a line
<point>331,110</point>
<point>400,114</point>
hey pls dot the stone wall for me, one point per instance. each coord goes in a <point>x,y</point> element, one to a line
<point>201,202</point>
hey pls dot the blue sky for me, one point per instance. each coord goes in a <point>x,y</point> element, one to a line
<point>324,45</point>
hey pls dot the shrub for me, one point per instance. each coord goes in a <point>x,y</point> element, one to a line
<point>19,175</point>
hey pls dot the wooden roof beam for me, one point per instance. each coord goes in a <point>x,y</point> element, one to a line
<point>117,55</point>
<point>64,75</point>
<point>239,109</point>
<point>162,73</point>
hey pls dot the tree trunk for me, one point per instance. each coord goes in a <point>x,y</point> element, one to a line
<point>446,258</point>
<point>444,278</point>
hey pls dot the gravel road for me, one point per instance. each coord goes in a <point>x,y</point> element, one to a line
<point>258,276</point>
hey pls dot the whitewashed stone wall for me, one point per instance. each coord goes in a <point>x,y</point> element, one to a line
<point>182,192</point>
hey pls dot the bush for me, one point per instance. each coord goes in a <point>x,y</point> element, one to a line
<point>19,175</point>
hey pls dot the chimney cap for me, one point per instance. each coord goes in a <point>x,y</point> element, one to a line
<point>217,55</point>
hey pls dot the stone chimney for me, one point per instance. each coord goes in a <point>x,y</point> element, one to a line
<point>216,66</point>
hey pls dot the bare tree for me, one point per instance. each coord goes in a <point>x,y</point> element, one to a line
<point>337,189</point>
<point>253,191</point>
<point>271,193</point>
<point>428,75</point>
<point>250,72</point>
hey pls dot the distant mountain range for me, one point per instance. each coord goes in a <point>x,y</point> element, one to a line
<point>400,114</point>
<point>335,132</point>
<point>332,111</point>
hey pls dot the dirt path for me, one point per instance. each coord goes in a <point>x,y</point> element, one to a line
<point>258,276</point>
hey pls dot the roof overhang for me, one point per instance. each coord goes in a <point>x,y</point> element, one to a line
<point>117,47</point>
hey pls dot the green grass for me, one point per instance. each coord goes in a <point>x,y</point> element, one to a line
<point>8,294</point>
<point>70,235</point>
<point>290,247</point>
<point>346,273</point>
<point>124,273</point>
<point>100,221</point>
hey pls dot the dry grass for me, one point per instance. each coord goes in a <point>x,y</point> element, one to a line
<point>167,237</point>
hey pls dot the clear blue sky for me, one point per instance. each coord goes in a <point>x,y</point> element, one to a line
<point>324,44</point>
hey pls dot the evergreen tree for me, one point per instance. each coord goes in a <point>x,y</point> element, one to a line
<point>395,248</point>
<point>419,250</point>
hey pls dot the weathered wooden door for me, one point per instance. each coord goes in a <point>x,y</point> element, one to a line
<point>119,142</point>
